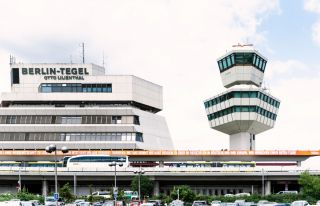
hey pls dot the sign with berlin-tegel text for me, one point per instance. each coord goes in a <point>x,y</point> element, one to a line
<point>54,73</point>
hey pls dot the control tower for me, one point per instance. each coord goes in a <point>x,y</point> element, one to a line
<point>245,109</point>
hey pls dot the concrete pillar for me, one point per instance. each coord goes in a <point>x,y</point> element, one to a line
<point>161,163</point>
<point>299,163</point>
<point>286,186</point>
<point>45,188</point>
<point>75,184</point>
<point>267,187</point>
<point>242,141</point>
<point>156,188</point>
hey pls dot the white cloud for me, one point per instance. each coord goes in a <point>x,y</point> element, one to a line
<point>172,43</point>
<point>314,6</point>
<point>316,32</point>
<point>281,70</point>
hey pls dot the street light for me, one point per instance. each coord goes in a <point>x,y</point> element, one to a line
<point>52,148</point>
<point>115,189</point>
<point>139,172</point>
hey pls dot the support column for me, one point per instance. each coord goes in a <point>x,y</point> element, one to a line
<point>286,186</point>
<point>268,187</point>
<point>299,163</point>
<point>74,184</point>
<point>45,188</point>
<point>242,141</point>
<point>156,188</point>
<point>161,164</point>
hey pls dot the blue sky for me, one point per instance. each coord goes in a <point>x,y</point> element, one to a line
<point>175,43</point>
<point>288,32</point>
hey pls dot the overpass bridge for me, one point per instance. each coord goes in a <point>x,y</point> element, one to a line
<point>206,181</point>
<point>170,155</point>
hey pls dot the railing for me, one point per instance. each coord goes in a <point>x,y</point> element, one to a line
<point>26,170</point>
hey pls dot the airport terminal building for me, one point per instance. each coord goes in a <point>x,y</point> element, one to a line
<point>78,106</point>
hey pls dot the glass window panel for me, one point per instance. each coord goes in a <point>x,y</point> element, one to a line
<point>220,65</point>
<point>224,63</point>
<point>228,61</point>
<point>245,94</point>
<point>232,59</point>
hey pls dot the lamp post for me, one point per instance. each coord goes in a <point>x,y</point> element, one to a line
<point>115,189</point>
<point>139,172</point>
<point>262,192</point>
<point>53,148</point>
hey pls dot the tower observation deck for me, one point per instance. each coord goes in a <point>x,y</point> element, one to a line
<point>245,109</point>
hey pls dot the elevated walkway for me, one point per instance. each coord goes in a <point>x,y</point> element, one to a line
<point>169,155</point>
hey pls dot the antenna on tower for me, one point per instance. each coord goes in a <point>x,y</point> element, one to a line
<point>82,52</point>
<point>12,60</point>
<point>103,59</point>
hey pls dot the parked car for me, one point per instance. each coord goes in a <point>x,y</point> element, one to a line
<point>97,204</point>
<point>177,203</point>
<point>84,204</point>
<point>229,195</point>
<point>131,194</point>
<point>216,203</point>
<point>108,203</point>
<point>300,203</point>
<point>104,194</point>
<point>318,202</point>
<point>239,202</point>
<point>287,192</point>
<point>199,203</point>
<point>49,201</point>
<point>78,201</point>
<point>155,202</point>
<point>243,194</point>
<point>147,204</point>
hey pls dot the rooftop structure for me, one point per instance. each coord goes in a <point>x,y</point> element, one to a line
<point>245,109</point>
<point>78,106</point>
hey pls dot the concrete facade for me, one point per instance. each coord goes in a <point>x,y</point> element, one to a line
<point>78,106</point>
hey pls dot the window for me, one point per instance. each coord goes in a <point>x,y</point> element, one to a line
<point>233,109</point>
<point>75,87</point>
<point>242,58</point>
<point>15,79</point>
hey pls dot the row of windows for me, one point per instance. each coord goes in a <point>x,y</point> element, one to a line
<point>242,59</point>
<point>87,119</point>
<point>234,109</point>
<point>72,87</point>
<point>97,159</point>
<point>242,94</point>
<point>85,136</point>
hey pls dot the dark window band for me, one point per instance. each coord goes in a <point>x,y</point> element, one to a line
<point>242,94</point>
<point>242,59</point>
<point>86,119</point>
<point>84,136</point>
<point>234,109</point>
<point>75,87</point>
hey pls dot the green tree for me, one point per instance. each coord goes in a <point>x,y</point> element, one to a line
<point>310,185</point>
<point>146,185</point>
<point>65,193</point>
<point>185,193</point>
